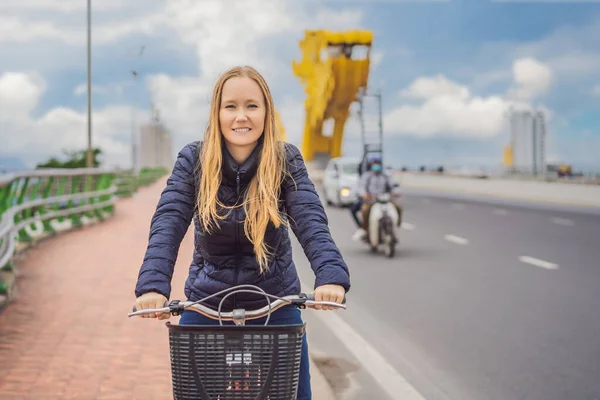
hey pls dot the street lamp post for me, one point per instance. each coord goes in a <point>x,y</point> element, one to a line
<point>134,133</point>
<point>135,152</point>
<point>89,85</point>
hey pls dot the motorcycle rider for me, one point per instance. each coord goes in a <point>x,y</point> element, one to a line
<point>357,205</point>
<point>372,183</point>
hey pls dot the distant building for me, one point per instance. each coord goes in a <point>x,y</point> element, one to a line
<point>155,145</point>
<point>527,141</point>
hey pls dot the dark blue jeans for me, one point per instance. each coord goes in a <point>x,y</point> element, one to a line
<point>289,315</point>
<point>354,208</point>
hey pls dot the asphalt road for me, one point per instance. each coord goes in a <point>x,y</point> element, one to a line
<point>483,301</point>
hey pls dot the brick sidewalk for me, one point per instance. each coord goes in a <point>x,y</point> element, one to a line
<point>67,335</point>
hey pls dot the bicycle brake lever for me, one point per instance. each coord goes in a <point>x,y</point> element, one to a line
<point>175,307</point>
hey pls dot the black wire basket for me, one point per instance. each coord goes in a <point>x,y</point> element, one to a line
<point>235,362</point>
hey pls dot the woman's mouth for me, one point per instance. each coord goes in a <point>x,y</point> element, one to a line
<point>242,130</point>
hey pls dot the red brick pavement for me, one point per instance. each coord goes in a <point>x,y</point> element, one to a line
<point>67,335</point>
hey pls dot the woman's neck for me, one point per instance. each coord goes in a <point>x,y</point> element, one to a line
<point>240,153</point>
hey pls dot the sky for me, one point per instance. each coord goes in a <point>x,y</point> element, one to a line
<point>447,70</point>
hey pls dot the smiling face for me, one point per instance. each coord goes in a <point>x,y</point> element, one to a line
<point>242,114</point>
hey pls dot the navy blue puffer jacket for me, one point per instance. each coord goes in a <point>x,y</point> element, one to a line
<point>226,257</point>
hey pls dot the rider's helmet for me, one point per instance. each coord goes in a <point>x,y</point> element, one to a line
<point>375,163</point>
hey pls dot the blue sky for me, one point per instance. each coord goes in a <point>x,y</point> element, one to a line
<point>448,69</point>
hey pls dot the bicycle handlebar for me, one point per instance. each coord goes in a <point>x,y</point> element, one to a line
<point>176,307</point>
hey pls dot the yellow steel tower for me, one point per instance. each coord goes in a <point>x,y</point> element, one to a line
<point>334,68</point>
<point>279,126</point>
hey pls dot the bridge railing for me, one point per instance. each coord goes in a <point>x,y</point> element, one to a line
<point>40,203</point>
<point>43,202</point>
<point>128,182</point>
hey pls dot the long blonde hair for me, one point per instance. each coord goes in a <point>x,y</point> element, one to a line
<point>261,201</point>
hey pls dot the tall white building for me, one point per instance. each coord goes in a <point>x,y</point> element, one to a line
<point>155,145</point>
<point>528,141</point>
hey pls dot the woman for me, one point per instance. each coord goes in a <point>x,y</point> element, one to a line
<point>240,185</point>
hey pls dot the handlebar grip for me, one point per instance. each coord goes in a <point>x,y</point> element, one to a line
<point>135,308</point>
<point>311,296</point>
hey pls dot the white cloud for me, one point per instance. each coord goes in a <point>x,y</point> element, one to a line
<point>448,115</point>
<point>58,129</point>
<point>425,87</point>
<point>262,33</point>
<point>570,51</point>
<point>109,89</point>
<point>28,6</point>
<point>13,30</point>
<point>492,77</point>
<point>19,95</point>
<point>575,64</point>
<point>222,34</point>
<point>16,30</point>
<point>66,21</point>
<point>532,78</point>
<point>448,108</point>
<point>291,112</point>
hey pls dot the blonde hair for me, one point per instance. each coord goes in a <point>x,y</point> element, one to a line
<point>261,201</point>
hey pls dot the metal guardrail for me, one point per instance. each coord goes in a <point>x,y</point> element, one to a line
<point>34,204</point>
<point>128,182</point>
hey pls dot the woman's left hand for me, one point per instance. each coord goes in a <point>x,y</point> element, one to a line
<point>333,293</point>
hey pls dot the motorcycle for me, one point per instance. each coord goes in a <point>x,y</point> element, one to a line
<point>382,222</point>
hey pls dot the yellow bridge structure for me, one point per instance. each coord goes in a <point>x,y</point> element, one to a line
<point>335,71</point>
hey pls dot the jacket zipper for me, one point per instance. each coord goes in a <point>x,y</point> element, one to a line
<point>237,238</point>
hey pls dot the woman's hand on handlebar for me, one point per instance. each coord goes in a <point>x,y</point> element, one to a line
<point>152,300</point>
<point>333,293</point>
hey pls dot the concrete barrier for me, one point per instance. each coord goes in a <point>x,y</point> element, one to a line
<point>569,194</point>
<point>548,192</point>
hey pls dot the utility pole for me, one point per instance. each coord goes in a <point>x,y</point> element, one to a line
<point>134,140</point>
<point>134,129</point>
<point>89,157</point>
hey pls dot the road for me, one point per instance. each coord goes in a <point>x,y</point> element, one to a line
<point>483,301</point>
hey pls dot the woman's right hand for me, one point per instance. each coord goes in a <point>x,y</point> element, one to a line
<point>152,300</point>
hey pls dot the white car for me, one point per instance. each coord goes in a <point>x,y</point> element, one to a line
<point>340,180</point>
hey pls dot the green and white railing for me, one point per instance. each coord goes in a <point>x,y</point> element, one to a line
<point>38,203</point>
<point>129,182</point>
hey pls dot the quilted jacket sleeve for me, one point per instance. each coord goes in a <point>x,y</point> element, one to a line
<point>309,223</point>
<point>169,225</point>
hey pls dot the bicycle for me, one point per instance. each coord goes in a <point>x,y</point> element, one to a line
<point>221,362</point>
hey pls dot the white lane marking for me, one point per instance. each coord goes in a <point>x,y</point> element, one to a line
<point>390,380</point>
<point>458,206</point>
<point>407,226</point>
<point>563,221</point>
<point>500,211</point>
<point>456,239</point>
<point>537,262</point>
